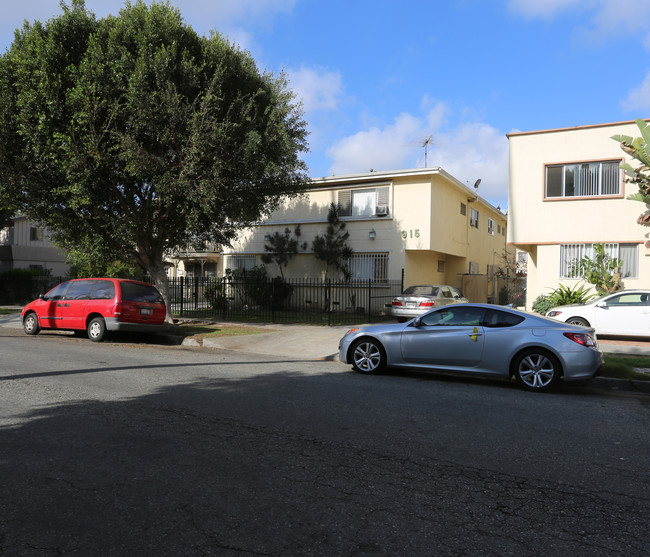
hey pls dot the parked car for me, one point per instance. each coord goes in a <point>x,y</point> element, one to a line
<point>479,339</point>
<point>623,313</point>
<point>417,300</point>
<point>96,306</point>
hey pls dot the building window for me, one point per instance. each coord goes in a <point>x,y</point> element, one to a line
<point>35,234</point>
<point>441,266</point>
<point>370,202</point>
<point>491,227</point>
<point>473,268</point>
<point>369,266</point>
<point>463,209</point>
<point>592,179</point>
<point>572,254</point>
<point>473,218</point>
<point>241,262</point>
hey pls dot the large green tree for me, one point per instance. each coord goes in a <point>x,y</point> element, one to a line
<point>132,135</point>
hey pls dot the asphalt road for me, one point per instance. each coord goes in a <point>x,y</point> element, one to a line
<point>132,449</point>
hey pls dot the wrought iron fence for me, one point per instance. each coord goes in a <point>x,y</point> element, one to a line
<point>253,299</point>
<point>277,301</point>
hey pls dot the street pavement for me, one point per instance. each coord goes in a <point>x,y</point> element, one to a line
<point>311,342</point>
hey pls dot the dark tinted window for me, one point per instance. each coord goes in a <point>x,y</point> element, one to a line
<point>79,290</point>
<point>134,292</point>
<point>103,290</point>
<point>495,318</point>
<point>58,292</point>
<point>455,314</point>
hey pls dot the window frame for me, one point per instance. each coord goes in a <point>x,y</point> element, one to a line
<point>362,264</point>
<point>578,168</point>
<point>346,206</point>
<point>629,270</point>
<point>473,217</point>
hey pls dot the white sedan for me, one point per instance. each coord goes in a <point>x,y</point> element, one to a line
<point>623,313</point>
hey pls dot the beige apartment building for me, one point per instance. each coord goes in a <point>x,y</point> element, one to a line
<point>566,193</point>
<point>423,223</point>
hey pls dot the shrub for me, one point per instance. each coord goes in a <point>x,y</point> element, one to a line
<point>17,285</point>
<point>561,296</point>
<point>543,303</point>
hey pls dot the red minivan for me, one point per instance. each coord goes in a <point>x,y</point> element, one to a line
<point>97,305</point>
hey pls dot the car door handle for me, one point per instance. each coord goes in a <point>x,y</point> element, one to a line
<point>475,335</point>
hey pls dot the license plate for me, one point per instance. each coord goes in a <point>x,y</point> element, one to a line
<point>411,304</point>
<point>145,311</point>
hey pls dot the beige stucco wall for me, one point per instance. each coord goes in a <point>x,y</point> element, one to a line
<point>424,226</point>
<point>540,226</point>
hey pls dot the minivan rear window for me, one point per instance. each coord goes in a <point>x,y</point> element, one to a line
<point>134,292</point>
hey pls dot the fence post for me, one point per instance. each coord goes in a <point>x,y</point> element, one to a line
<point>369,299</point>
<point>272,301</point>
<point>196,293</point>
<point>224,292</point>
<point>182,293</point>
<point>328,302</point>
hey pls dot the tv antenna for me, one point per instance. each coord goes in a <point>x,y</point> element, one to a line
<point>425,144</point>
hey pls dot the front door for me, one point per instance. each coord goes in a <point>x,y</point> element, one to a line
<point>451,336</point>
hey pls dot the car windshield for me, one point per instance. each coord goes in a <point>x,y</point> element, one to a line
<point>134,292</point>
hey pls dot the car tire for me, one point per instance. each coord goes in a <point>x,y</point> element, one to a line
<point>536,370</point>
<point>368,356</point>
<point>30,324</point>
<point>97,329</point>
<point>578,321</point>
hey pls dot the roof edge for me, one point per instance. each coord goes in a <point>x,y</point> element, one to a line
<point>587,127</point>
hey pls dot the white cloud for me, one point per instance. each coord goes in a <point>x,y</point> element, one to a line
<point>468,150</point>
<point>376,148</point>
<point>609,18</point>
<point>639,97</point>
<point>541,8</point>
<point>319,89</point>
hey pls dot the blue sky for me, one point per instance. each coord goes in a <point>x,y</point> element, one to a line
<point>377,78</point>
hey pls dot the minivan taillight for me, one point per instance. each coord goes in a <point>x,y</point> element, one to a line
<point>117,309</point>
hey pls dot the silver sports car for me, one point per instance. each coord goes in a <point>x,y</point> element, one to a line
<point>479,339</point>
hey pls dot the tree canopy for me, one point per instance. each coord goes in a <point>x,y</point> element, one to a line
<point>132,135</point>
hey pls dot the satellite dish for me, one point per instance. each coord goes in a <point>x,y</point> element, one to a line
<point>476,184</point>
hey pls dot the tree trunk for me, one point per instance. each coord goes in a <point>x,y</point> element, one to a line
<point>156,269</point>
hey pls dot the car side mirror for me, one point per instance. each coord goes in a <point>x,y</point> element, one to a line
<point>417,322</point>
<point>601,305</point>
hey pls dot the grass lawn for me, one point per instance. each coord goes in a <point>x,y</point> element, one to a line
<point>625,367</point>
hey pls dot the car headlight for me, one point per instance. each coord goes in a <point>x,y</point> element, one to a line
<point>553,313</point>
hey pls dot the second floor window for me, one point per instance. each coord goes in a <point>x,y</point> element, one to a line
<point>363,202</point>
<point>473,218</point>
<point>490,226</point>
<point>590,179</point>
